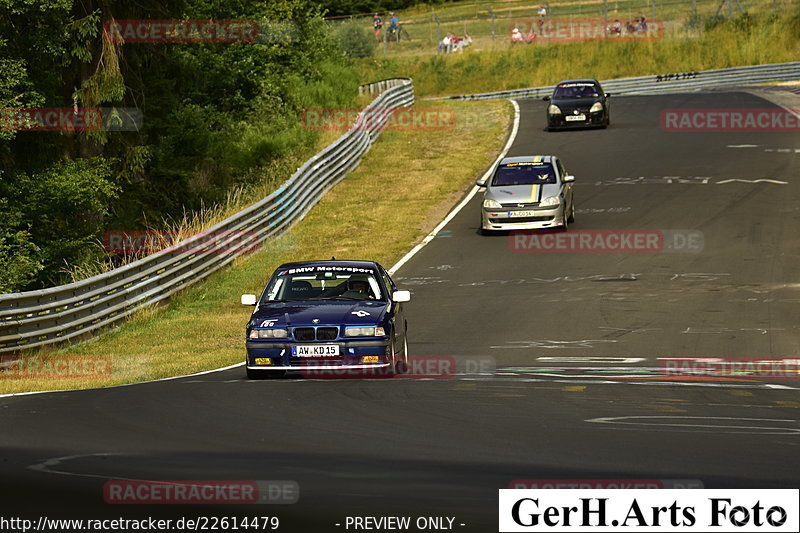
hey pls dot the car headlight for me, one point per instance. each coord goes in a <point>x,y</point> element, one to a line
<point>553,109</point>
<point>550,201</point>
<point>360,331</point>
<point>596,107</point>
<point>492,204</point>
<point>277,333</point>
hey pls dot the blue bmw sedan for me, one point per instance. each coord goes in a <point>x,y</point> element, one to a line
<point>323,316</point>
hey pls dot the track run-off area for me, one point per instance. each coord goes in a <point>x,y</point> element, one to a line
<point>562,356</point>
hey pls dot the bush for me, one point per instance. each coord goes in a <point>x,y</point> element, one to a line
<point>356,41</point>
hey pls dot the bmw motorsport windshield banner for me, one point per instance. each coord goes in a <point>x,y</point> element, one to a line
<point>669,510</point>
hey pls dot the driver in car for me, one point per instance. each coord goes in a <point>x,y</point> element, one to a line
<point>358,288</point>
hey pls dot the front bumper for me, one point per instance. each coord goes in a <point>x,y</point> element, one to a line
<point>500,219</point>
<point>278,355</point>
<point>592,120</point>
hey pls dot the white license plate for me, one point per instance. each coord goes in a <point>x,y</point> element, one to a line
<point>574,118</point>
<point>520,214</point>
<point>315,350</point>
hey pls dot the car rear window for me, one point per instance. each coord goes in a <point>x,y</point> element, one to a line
<point>523,174</point>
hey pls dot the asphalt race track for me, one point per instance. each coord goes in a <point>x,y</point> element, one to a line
<point>560,358</point>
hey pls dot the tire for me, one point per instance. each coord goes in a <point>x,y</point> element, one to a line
<point>565,226</point>
<point>482,231</point>
<point>391,370</point>
<point>571,217</point>
<point>401,367</point>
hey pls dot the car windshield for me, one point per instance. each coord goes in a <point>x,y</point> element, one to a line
<point>524,174</point>
<point>323,283</point>
<point>576,90</point>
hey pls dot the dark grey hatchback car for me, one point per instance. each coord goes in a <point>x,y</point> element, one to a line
<point>580,103</point>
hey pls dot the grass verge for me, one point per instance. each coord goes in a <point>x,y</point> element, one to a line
<point>403,187</point>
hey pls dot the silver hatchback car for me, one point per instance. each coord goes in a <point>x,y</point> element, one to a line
<point>531,192</point>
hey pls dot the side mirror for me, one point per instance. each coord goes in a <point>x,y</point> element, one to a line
<point>608,95</point>
<point>401,296</point>
<point>568,178</point>
<point>546,98</point>
<point>248,299</point>
<point>481,182</point>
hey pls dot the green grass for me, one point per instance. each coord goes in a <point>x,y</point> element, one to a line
<point>378,212</point>
<point>747,40</point>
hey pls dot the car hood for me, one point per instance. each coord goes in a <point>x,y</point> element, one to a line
<point>326,312</point>
<point>513,194</point>
<point>568,104</point>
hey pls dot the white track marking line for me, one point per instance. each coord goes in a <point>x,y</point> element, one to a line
<point>428,238</point>
<point>749,429</point>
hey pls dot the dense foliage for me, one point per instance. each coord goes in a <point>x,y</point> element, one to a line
<point>214,115</point>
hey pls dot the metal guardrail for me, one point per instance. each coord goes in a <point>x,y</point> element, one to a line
<point>83,308</point>
<point>665,83</point>
<point>379,86</point>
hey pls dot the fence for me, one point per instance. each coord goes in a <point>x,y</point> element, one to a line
<point>665,83</point>
<point>83,308</point>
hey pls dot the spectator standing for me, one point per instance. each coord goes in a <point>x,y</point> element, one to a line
<point>394,24</point>
<point>542,12</point>
<point>377,24</point>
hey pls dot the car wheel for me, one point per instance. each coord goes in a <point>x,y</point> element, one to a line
<point>391,370</point>
<point>401,366</point>
<point>571,217</point>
